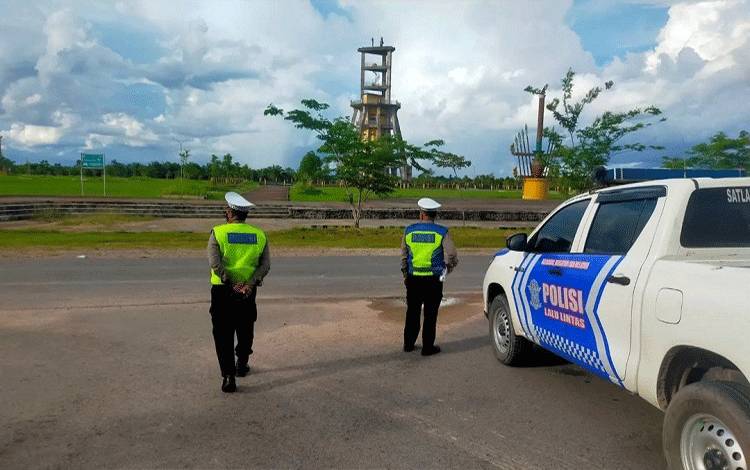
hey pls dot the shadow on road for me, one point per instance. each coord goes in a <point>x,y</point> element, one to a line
<point>325,368</point>
<point>540,357</point>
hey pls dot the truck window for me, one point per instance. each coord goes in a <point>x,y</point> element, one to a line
<point>717,218</point>
<point>617,225</point>
<point>557,234</point>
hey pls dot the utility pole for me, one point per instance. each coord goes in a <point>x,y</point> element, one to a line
<point>179,154</point>
<point>2,170</point>
<point>182,161</point>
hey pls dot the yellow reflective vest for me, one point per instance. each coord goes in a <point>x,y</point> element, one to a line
<point>241,246</point>
<point>425,244</point>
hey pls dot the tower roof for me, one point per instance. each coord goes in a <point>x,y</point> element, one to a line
<point>381,50</point>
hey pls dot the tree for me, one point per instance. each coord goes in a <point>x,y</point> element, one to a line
<point>722,152</point>
<point>193,171</point>
<point>214,166</point>
<point>311,168</point>
<point>443,159</point>
<point>116,168</point>
<point>6,165</point>
<point>586,148</point>
<point>276,174</point>
<point>675,163</point>
<point>226,165</point>
<point>184,157</point>
<point>362,166</point>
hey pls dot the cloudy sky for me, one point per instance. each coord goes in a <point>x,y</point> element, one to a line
<point>131,78</point>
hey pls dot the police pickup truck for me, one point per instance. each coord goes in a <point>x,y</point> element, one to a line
<point>646,285</point>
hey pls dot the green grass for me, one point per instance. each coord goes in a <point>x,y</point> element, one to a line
<point>388,237</point>
<point>136,187</point>
<point>331,237</point>
<point>336,194</point>
<point>104,220</point>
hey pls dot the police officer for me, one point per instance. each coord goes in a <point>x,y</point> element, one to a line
<point>427,256</point>
<point>239,259</point>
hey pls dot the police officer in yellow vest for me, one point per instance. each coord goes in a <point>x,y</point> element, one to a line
<point>239,259</point>
<point>427,256</point>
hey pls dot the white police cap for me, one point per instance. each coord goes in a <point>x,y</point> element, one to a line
<point>237,202</point>
<point>428,204</point>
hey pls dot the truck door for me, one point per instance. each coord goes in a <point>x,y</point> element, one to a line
<point>622,229</point>
<point>553,240</point>
<point>579,303</point>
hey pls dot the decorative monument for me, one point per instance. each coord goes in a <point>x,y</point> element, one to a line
<point>531,163</point>
<point>375,114</point>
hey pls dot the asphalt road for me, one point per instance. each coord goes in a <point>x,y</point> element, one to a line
<point>110,363</point>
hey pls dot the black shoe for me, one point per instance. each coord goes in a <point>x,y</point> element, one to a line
<point>228,385</point>
<point>430,351</point>
<point>242,369</point>
<point>408,348</point>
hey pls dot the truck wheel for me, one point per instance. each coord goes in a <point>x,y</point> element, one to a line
<point>509,348</point>
<point>707,426</point>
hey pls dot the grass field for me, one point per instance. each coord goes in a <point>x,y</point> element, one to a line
<point>136,187</point>
<point>98,220</point>
<point>388,237</point>
<point>331,237</point>
<point>336,194</point>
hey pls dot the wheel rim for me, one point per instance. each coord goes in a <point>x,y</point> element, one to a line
<point>501,331</point>
<point>708,444</point>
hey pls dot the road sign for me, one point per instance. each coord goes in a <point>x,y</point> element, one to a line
<point>92,160</point>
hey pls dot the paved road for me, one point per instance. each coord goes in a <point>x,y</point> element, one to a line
<point>64,282</point>
<point>109,363</point>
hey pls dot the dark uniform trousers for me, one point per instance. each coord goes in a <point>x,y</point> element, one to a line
<point>232,314</point>
<point>427,291</point>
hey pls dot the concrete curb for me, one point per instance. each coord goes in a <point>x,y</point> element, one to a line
<point>169,209</point>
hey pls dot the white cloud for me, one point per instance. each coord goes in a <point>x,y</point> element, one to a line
<point>33,99</point>
<point>97,141</point>
<point>28,135</point>
<point>711,29</point>
<point>696,72</point>
<point>131,131</point>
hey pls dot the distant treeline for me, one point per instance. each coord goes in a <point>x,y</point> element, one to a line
<point>226,168</point>
<point>478,182</point>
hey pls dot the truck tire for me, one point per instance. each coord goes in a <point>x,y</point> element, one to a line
<point>707,426</point>
<point>510,349</point>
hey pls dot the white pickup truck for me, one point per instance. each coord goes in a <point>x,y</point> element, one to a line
<point>646,285</point>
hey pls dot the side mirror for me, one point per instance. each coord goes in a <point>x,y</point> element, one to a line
<point>517,242</point>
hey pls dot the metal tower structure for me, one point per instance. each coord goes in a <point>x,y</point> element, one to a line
<point>375,114</point>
